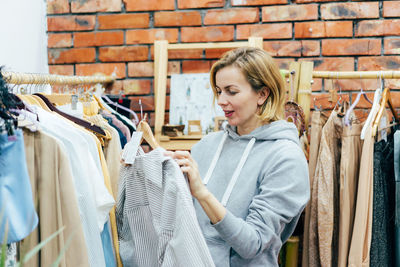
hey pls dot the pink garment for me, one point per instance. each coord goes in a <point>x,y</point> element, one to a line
<point>124,129</point>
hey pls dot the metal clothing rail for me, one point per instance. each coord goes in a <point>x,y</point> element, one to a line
<point>384,74</point>
<point>53,79</point>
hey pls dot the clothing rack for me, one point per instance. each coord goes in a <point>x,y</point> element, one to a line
<point>38,78</point>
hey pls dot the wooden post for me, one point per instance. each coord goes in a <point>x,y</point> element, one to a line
<point>160,84</point>
<point>294,67</point>
<point>256,42</point>
<point>304,92</point>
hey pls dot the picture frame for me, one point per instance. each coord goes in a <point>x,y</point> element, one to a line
<point>219,122</point>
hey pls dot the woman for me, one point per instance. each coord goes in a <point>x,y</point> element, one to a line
<point>255,176</point>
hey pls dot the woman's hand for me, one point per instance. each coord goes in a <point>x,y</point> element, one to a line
<point>189,166</point>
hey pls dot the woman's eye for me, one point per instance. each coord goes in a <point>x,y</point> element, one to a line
<point>232,92</point>
<point>218,92</point>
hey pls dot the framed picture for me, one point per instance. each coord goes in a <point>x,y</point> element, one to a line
<point>219,123</point>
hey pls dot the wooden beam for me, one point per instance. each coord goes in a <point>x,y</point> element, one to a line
<point>304,92</point>
<point>160,84</point>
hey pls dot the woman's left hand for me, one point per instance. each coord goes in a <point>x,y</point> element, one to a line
<point>189,166</point>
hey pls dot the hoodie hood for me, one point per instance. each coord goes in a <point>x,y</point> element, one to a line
<point>277,130</point>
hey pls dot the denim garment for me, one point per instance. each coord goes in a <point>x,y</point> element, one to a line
<point>16,203</point>
<point>109,256</point>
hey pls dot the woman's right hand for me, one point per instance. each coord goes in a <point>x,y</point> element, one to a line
<point>189,166</point>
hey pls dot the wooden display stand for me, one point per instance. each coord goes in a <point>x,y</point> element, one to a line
<point>302,86</point>
<point>161,49</point>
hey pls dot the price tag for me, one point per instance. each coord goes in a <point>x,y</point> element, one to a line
<point>131,148</point>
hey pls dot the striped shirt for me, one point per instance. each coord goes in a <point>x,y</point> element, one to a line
<point>157,223</point>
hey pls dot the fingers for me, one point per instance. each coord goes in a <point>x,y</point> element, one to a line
<point>182,154</point>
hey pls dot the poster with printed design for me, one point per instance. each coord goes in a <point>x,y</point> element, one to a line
<point>192,99</point>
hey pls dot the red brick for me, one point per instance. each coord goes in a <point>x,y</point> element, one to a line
<point>283,63</point>
<point>147,103</point>
<point>267,31</point>
<point>73,55</point>
<point>231,16</point>
<point>283,48</point>
<point>85,39</point>
<point>207,34</point>
<point>332,63</point>
<point>290,13</point>
<point>57,6</point>
<point>149,36</point>
<point>351,47</point>
<point>123,53</point>
<point>351,84</point>
<point>314,1</point>
<point>123,21</point>
<point>310,48</point>
<point>321,29</point>
<point>391,8</point>
<point>70,23</point>
<point>379,63</point>
<point>103,68</point>
<point>61,69</point>
<point>316,85</point>
<point>322,100</point>
<point>378,27</point>
<point>196,66</point>
<point>182,4</point>
<point>350,10</point>
<point>59,40</point>
<point>146,69</point>
<point>394,84</point>
<point>181,54</point>
<point>392,46</point>
<point>148,5</point>
<point>167,18</point>
<point>257,2</point>
<point>185,54</point>
<point>136,87</point>
<point>216,53</point>
<point>90,6</point>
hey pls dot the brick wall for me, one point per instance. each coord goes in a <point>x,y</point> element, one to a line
<point>91,36</point>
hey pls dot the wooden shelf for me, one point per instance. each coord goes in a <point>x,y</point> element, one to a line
<point>178,144</point>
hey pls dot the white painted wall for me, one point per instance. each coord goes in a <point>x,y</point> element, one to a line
<point>23,38</point>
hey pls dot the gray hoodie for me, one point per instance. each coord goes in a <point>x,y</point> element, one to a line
<point>267,199</point>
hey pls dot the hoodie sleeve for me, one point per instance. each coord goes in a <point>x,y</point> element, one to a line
<point>273,213</point>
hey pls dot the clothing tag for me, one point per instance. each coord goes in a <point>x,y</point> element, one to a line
<point>383,124</point>
<point>131,148</point>
<point>74,102</point>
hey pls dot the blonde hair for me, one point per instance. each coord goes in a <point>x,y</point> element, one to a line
<point>261,72</point>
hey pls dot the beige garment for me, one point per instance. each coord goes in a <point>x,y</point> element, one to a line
<point>349,173</point>
<point>56,203</point>
<point>361,237</point>
<point>318,120</point>
<point>112,151</point>
<point>325,197</point>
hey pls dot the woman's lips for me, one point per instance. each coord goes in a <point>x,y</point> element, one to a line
<point>228,113</point>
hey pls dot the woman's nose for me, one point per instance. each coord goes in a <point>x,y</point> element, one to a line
<point>221,101</point>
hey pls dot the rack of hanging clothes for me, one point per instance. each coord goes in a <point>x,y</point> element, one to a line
<point>60,160</point>
<point>353,216</point>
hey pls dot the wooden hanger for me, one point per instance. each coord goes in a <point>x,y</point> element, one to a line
<point>83,123</point>
<point>148,136</point>
<point>386,99</point>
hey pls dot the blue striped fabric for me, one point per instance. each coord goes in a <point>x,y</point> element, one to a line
<point>156,220</point>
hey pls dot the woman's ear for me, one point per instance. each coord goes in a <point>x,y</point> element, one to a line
<point>263,95</point>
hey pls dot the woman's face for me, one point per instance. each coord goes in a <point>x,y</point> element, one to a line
<point>237,99</point>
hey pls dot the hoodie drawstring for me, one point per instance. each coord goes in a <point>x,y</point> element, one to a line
<point>238,169</point>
